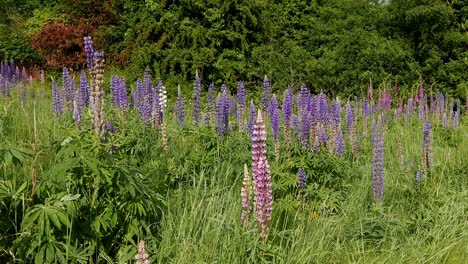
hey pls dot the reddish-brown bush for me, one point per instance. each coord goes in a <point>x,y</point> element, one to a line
<point>61,44</point>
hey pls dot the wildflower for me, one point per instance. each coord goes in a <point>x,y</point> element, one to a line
<point>378,162</point>
<point>196,99</point>
<point>142,257</point>
<point>261,176</point>
<point>246,194</point>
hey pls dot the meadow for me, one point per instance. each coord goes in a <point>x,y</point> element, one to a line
<point>92,165</point>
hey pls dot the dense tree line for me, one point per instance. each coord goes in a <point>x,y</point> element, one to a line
<point>334,45</point>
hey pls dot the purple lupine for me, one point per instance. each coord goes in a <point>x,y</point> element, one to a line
<point>378,162</point>
<point>303,98</point>
<point>114,89</point>
<point>266,94</point>
<point>252,113</point>
<point>196,99</point>
<point>211,103</point>
<point>139,98</point>
<point>339,142</point>
<point>220,115</point>
<point>322,134</point>
<point>427,156</point>
<point>305,129</point>
<point>122,94</point>
<point>275,124</point>
<point>226,105</point>
<point>241,104</point>
<point>322,107</point>
<point>57,103</point>
<point>301,182</point>
<point>421,93</point>
<point>84,90</point>
<point>67,89</point>
<point>301,179</point>
<point>335,113</point>
<point>296,126</point>
<point>246,194</point>
<point>142,257</point>
<point>418,177</point>
<point>287,107</point>
<point>78,105</point>
<point>180,108</point>
<point>89,49</point>
<point>365,108</point>
<point>261,176</point>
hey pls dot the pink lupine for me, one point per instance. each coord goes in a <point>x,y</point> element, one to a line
<point>261,175</point>
<point>246,194</point>
<point>142,257</point>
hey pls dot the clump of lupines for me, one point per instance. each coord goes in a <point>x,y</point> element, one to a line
<point>301,182</point>
<point>247,196</point>
<point>196,99</point>
<point>222,113</point>
<point>378,161</point>
<point>266,94</point>
<point>427,156</point>
<point>57,103</point>
<point>241,105</point>
<point>261,176</point>
<point>142,257</point>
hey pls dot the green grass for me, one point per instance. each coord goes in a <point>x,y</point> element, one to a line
<point>199,180</point>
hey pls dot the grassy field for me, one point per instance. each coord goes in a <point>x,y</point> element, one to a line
<point>95,198</point>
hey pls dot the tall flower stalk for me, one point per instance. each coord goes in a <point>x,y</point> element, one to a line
<point>378,161</point>
<point>196,99</point>
<point>247,196</point>
<point>261,176</point>
<point>98,94</point>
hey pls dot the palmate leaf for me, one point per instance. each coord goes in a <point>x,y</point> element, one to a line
<point>14,156</point>
<point>8,189</point>
<point>41,216</point>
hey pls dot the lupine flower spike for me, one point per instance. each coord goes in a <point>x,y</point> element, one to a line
<point>378,164</point>
<point>261,176</point>
<point>142,257</point>
<point>301,183</point>
<point>247,195</point>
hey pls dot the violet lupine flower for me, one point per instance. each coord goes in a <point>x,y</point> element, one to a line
<point>322,107</point>
<point>220,128</point>
<point>142,257</point>
<point>339,141</point>
<point>139,98</point>
<point>57,103</point>
<point>211,102</point>
<point>67,89</point>
<point>275,125</point>
<point>296,125</point>
<point>180,108</point>
<point>288,102</point>
<point>122,94</point>
<point>84,89</point>
<point>266,94</point>
<point>78,105</point>
<point>427,156</point>
<point>335,113</point>
<point>322,134</point>
<point>261,176</point>
<point>252,113</point>
<point>88,47</point>
<point>196,99</point>
<point>305,129</point>
<point>418,177</point>
<point>421,92</point>
<point>303,98</point>
<point>241,103</point>
<point>378,163</point>
<point>246,194</point>
<point>114,87</point>
<point>365,108</point>
<point>273,105</point>
<point>301,182</point>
